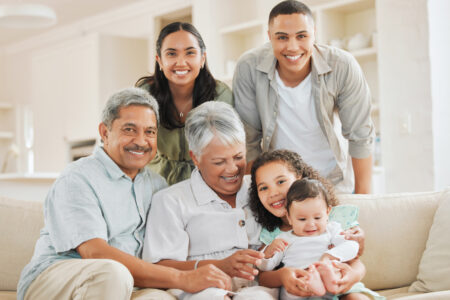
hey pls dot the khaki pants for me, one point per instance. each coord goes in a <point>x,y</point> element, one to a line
<point>85,279</point>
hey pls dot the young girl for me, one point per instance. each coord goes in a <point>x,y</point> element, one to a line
<point>272,174</point>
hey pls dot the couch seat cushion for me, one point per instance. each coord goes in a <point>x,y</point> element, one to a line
<point>21,222</point>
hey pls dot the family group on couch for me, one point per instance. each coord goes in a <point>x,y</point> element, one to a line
<point>114,229</point>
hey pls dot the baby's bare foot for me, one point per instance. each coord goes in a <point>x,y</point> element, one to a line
<point>314,283</point>
<point>329,276</point>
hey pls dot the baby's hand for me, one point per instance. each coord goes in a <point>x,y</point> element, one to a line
<point>278,245</point>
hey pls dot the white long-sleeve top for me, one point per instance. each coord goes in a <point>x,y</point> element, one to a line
<point>302,251</point>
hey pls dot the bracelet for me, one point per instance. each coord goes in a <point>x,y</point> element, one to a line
<point>196,264</point>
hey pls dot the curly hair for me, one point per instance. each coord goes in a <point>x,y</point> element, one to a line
<point>296,165</point>
<point>158,85</point>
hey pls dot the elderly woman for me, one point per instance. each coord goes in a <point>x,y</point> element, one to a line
<point>206,219</point>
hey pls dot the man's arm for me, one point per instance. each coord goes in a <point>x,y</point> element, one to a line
<point>239,264</point>
<point>354,107</point>
<point>362,167</point>
<point>244,98</point>
<point>146,274</point>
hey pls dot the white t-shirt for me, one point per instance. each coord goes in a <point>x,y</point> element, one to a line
<point>302,251</point>
<point>298,128</point>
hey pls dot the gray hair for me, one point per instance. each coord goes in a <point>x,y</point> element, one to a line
<point>124,98</point>
<point>213,118</point>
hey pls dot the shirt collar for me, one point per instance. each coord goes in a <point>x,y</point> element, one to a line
<point>268,63</point>
<point>203,194</point>
<point>110,165</point>
<point>318,62</point>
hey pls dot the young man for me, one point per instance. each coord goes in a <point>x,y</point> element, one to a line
<point>95,218</point>
<point>287,91</point>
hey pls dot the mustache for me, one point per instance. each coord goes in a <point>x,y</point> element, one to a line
<point>138,148</point>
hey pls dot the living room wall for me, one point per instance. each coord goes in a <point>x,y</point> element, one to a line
<point>413,46</point>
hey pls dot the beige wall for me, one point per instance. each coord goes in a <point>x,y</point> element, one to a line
<point>413,109</point>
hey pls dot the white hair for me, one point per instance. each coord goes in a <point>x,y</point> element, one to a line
<point>124,98</point>
<point>213,119</point>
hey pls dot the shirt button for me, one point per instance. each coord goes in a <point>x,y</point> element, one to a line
<point>241,223</point>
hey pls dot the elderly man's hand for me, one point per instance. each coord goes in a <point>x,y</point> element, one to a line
<point>204,277</point>
<point>241,263</point>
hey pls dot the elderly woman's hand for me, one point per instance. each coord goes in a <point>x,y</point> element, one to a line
<point>241,263</point>
<point>204,277</point>
<point>356,234</point>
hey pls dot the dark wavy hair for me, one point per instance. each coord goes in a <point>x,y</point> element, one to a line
<point>296,165</point>
<point>158,85</point>
<point>305,188</point>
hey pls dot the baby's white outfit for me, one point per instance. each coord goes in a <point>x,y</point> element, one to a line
<point>302,251</point>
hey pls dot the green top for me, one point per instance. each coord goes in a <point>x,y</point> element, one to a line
<point>172,160</point>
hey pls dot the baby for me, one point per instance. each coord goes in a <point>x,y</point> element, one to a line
<point>308,242</point>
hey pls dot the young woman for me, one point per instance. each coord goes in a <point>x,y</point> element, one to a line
<point>181,81</point>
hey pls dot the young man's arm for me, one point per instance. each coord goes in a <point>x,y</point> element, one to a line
<point>244,98</point>
<point>146,274</point>
<point>362,167</point>
<point>354,107</point>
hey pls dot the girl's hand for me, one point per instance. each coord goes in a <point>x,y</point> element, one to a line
<point>278,245</point>
<point>294,281</point>
<point>348,279</point>
<point>356,234</point>
<point>240,264</point>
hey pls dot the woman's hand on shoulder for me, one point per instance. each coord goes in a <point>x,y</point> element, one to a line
<point>356,234</point>
<point>241,264</point>
<point>205,277</point>
<point>278,245</point>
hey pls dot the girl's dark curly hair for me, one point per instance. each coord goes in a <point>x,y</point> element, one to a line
<point>158,86</point>
<point>294,163</point>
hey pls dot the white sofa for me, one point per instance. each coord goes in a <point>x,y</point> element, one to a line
<point>399,229</point>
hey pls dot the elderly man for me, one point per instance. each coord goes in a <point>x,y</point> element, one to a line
<point>95,218</point>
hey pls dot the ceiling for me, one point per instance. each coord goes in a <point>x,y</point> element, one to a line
<point>67,11</point>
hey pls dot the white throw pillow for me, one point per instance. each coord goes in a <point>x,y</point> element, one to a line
<point>434,268</point>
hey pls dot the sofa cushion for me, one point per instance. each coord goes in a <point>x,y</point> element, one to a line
<point>7,295</point>
<point>434,268</point>
<point>396,227</point>
<point>20,222</point>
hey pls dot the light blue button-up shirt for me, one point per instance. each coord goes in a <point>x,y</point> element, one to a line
<point>93,198</point>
